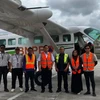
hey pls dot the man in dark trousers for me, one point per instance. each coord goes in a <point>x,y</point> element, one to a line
<point>61,66</point>
<point>4,60</point>
<point>29,67</point>
<point>89,62</point>
<point>16,69</point>
<point>45,63</point>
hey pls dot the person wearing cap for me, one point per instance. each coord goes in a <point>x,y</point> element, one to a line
<point>4,61</point>
<point>16,69</point>
<point>29,67</point>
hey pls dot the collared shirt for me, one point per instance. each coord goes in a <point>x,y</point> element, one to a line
<point>4,59</point>
<point>52,57</point>
<point>16,61</point>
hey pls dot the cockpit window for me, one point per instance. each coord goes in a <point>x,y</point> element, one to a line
<point>93,33</point>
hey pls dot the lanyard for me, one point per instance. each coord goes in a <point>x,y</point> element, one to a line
<point>17,57</point>
<point>2,55</point>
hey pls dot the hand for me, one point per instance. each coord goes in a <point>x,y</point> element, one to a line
<point>65,70</point>
<point>39,69</point>
<point>56,69</point>
<point>10,70</point>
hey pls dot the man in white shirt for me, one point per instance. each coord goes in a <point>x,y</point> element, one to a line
<point>4,60</point>
<point>16,67</point>
<point>45,63</point>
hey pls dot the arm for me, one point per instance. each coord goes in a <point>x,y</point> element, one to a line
<point>35,64</point>
<point>39,62</point>
<point>24,64</point>
<point>95,60</point>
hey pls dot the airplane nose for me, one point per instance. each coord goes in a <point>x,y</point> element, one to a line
<point>44,14</point>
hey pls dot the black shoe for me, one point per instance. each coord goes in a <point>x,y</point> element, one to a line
<point>6,90</point>
<point>94,94</point>
<point>66,91</point>
<point>58,91</point>
<point>26,90</point>
<point>33,90</point>
<point>42,91</point>
<point>50,91</point>
<point>87,93</point>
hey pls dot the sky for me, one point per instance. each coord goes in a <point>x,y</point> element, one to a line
<point>71,12</point>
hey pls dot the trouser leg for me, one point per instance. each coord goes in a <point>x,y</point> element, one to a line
<point>26,80</point>
<point>92,80</point>
<point>20,77</point>
<point>32,79</point>
<point>86,74</point>
<point>14,76</point>
<point>59,77</point>
<point>65,78</point>
<point>50,79</point>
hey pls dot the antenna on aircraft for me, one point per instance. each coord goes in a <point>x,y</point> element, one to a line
<point>21,8</point>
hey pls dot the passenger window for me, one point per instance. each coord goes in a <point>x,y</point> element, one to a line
<point>55,38</point>
<point>66,38</point>
<point>38,39</point>
<point>2,41</point>
<point>11,41</point>
<point>22,41</point>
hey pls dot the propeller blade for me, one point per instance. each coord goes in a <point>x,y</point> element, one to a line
<point>21,8</point>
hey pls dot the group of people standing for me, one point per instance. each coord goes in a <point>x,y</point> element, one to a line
<point>18,64</point>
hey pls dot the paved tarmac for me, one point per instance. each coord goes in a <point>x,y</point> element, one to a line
<point>17,95</point>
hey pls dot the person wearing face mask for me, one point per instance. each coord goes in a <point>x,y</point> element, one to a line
<point>16,69</point>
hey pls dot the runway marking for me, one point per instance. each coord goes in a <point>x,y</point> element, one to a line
<point>19,94</point>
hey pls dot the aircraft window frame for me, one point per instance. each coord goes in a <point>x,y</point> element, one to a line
<point>55,38</point>
<point>3,42</point>
<point>22,41</point>
<point>90,32</point>
<point>38,39</point>
<point>12,41</point>
<point>68,39</point>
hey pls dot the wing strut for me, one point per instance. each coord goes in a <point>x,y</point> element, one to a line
<point>48,37</point>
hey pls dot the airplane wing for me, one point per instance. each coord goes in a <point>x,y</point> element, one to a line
<point>28,23</point>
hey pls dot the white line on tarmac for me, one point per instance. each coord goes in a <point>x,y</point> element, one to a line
<point>17,95</point>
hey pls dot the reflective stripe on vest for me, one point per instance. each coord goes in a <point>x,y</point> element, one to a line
<point>88,63</point>
<point>46,61</point>
<point>65,58</point>
<point>30,62</point>
<point>75,65</point>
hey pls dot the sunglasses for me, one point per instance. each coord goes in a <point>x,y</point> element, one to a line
<point>87,48</point>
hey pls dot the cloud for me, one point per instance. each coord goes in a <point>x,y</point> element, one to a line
<point>74,7</point>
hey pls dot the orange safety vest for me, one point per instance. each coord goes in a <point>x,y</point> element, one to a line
<point>30,62</point>
<point>88,63</point>
<point>75,65</point>
<point>46,62</point>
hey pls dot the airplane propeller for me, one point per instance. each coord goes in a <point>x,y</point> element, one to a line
<point>21,8</point>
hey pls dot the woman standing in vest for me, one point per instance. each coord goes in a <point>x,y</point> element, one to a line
<point>76,66</point>
<point>45,64</point>
<point>29,66</point>
<point>89,61</point>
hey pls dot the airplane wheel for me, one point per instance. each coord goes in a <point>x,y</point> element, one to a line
<point>38,79</point>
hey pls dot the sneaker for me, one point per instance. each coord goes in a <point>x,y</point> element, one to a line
<point>87,93</point>
<point>12,90</point>
<point>6,90</point>
<point>21,89</point>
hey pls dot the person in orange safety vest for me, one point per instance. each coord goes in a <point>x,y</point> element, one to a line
<point>89,61</point>
<point>76,66</point>
<point>29,67</point>
<point>45,63</point>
